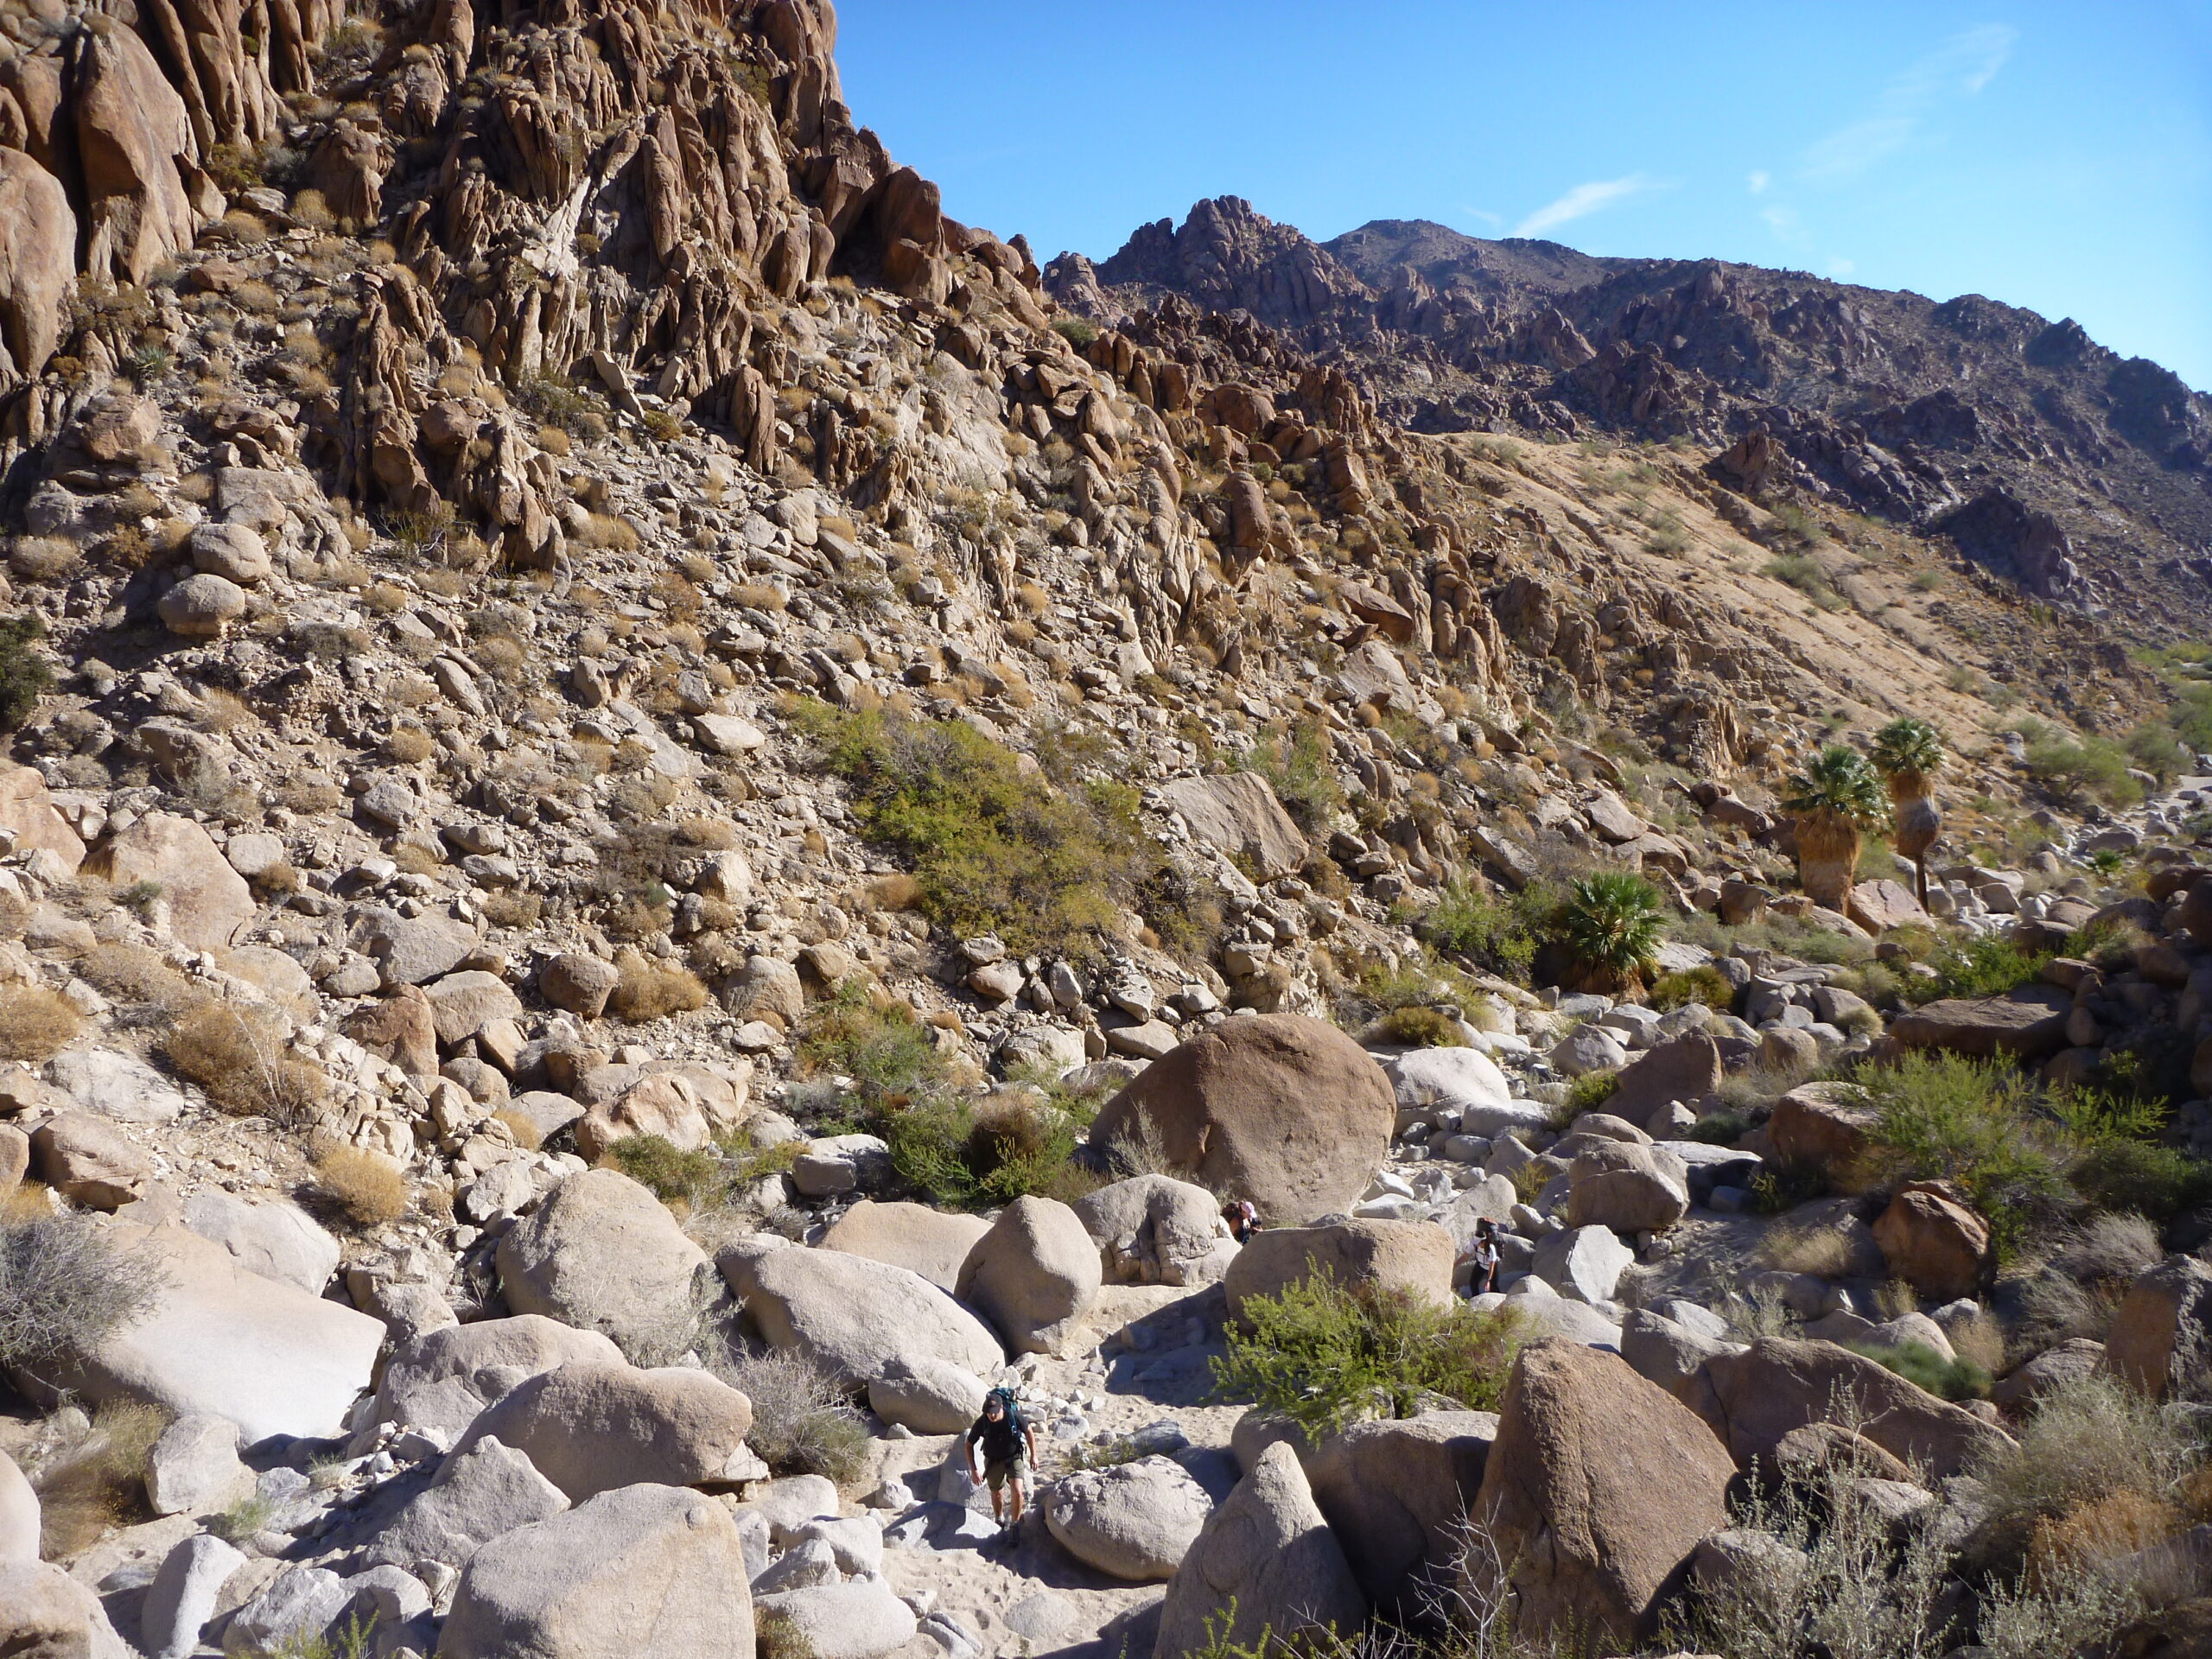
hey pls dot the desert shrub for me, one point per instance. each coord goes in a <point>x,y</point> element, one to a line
<point>670,1173</point>
<point>34,1021</point>
<point>1922,1366</point>
<point>1498,934</point>
<point>653,989</point>
<point>801,1422</point>
<point>1422,1027</point>
<point>1823,1250</point>
<point>2086,1440</point>
<point>101,1482</point>
<point>1703,984</point>
<point>520,1125</point>
<point>2095,767</point>
<point>1295,763</point>
<point>1985,965</point>
<point>24,676</point>
<point>1588,1093</point>
<point>886,1051</point>
<point>2122,1174</point>
<point>976,1155</point>
<point>1077,330</point>
<point>1325,1356</point>
<point>995,850</point>
<point>1973,1123</point>
<point>1612,923</point>
<point>1805,574</point>
<point>238,1056</point>
<point>133,974</point>
<point>1720,1129</point>
<point>1780,1186</point>
<point>553,400</point>
<point>64,1286</point>
<point>370,1188</point>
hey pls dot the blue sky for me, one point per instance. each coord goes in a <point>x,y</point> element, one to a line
<point>2054,156</point>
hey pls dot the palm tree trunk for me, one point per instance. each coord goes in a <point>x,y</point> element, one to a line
<point>1827,859</point>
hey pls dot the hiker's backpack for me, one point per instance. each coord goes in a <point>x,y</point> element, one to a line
<point>1013,1407</point>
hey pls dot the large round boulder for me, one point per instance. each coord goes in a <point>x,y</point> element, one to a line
<point>1135,1521</point>
<point>647,1572</point>
<point>1630,1188</point>
<point>601,1253</point>
<point>1415,1256</point>
<point>932,1242</point>
<point>929,1395</point>
<point>1153,1229</point>
<point>855,1316</point>
<point>1395,1493</point>
<point>1932,1239</point>
<point>860,1618</point>
<point>589,1429</point>
<point>1033,1275</point>
<point>1286,1111</point>
<point>46,1614</point>
<point>2161,1338</point>
<point>442,1378</point>
<point>1265,1560</point>
<point>479,1494</point>
<point>1595,1493</point>
<point>1455,1080</point>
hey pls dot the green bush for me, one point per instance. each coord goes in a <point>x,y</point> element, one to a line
<point>886,1051</point>
<point>1588,1093</point>
<point>1922,1367</point>
<point>1985,965</point>
<point>1974,1122</point>
<point>976,1155</point>
<point>1325,1356</point>
<point>995,850</point>
<point>1720,1130</point>
<point>1498,934</point>
<point>1422,1027</point>
<point>24,676</point>
<point>1612,923</point>
<point>671,1175</point>
<point>1780,1187</point>
<point>1703,984</point>
<point>1078,332</point>
<point>1295,763</point>
<point>65,1286</point>
<point>2096,767</point>
<point>801,1422</point>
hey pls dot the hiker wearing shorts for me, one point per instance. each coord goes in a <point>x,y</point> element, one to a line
<point>1009,1452</point>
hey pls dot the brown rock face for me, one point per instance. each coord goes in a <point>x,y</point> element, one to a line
<point>1286,1111</point>
<point>1753,1399</point>
<point>1597,1489</point>
<point>1818,1124</point>
<point>1410,1256</point>
<point>1394,1493</point>
<point>27,812</point>
<point>2162,1336</point>
<point>205,900</point>
<point>1238,814</point>
<point>1933,1241</point>
<point>401,1029</point>
<point>2028,1023</point>
<point>38,239</point>
<point>147,197</point>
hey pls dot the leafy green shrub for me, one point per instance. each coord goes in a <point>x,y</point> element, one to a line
<point>1985,965</point>
<point>1703,984</point>
<point>553,400</point>
<point>1780,1187</point>
<point>2096,767</point>
<point>1078,332</point>
<point>1498,934</point>
<point>1974,1122</point>
<point>1611,924</point>
<point>1422,1027</point>
<point>24,676</point>
<point>1588,1093</point>
<point>671,1175</point>
<point>1295,763</point>
<point>1720,1130</point>
<point>976,1155</point>
<point>995,850</point>
<point>1807,575</point>
<point>1325,1356</point>
<point>1922,1367</point>
<point>886,1051</point>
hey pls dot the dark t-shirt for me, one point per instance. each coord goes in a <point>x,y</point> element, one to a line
<point>1001,1440</point>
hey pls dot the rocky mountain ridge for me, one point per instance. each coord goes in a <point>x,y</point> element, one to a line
<point>2077,473</point>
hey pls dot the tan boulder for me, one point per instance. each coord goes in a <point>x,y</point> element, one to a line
<point>589,1427</point>
<point>1153,1229</point>
<point>201,606</point>
<point>27,811</point>
<point>2161,1338</point>
<point>1881,906</point>
<point>1395,1493</point>
<point>1033,1275</point>
<point>1415,1256</point>
<point>647,1572</point>
<point>2028,1024</point>
<point>147,197</point>
<point>19,1515</point>
<point>38,267</point>
<point>857,1317</point>
<point>1932,1239</point>
<point>204,901</point>
<point>600,1252</point>
<point>1596,1492</point>
<point>46,1614</point>
<point>1821,1124</point>
<point>1265,1560</point>
<point>1237,814</point>
<point>88,1161</point>
<point>1284,1110</point>
<point>934,1243</point>
<point>400,1028</point>
<point>462,1004</point>
<point>1753,1398</point>
<point>15,1157</point>
<point>1631,1189</point>
<point>579,984</point>
<point>442,1378</point>
<point>687,1104</point>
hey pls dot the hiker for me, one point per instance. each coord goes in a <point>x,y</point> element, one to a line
<point>1009,1452</point>
<point>1482,1254</point>
<point>1242,1217</point>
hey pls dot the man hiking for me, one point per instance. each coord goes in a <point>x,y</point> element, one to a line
<point>1009,1448</point>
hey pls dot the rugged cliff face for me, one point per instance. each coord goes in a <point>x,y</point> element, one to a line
<point>2085,477</point>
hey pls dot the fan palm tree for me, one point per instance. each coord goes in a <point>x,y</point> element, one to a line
<point>1909,753</point>
<point>1612,923</point>
<point>1837,800</point>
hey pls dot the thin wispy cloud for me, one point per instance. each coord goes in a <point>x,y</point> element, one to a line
<point>1491,219</point>
<point>1960,67</point>
<point>1759,180</point>
<point>1583,201</point>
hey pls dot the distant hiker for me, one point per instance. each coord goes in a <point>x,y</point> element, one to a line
<point>1242,1217</point>
<point>1481,1254</point>
<point>1009,1452</point>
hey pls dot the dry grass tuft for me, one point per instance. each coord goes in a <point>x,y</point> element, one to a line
<point>651,989</point>
<point>100,1484</point>
<point>2117,1523</point>
<point>522,1127</point>
<point>238,1056</point>
<point>34,1022</point>
<point>370,1187</point>
<point>1823,1250</point>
